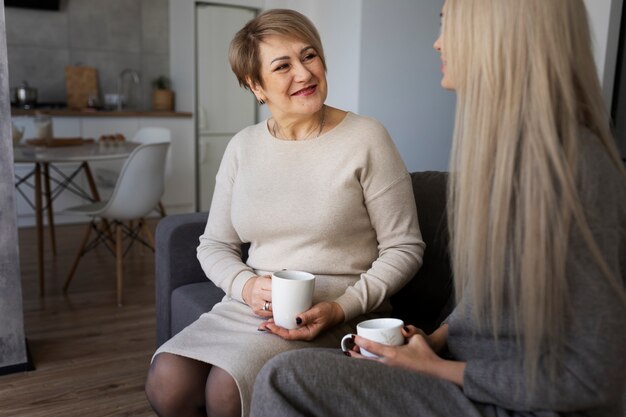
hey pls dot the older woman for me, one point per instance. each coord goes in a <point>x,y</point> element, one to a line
<point>538,231</point>
<point>313,188</point>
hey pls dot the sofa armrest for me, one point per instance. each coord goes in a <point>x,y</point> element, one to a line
<point>175,263</point>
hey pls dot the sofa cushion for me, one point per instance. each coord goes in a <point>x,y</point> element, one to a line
<point>190,301</point>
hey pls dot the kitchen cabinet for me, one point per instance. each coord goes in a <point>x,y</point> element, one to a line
<point>179,195</point>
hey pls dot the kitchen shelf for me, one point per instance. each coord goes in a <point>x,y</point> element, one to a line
<point>99,113</point>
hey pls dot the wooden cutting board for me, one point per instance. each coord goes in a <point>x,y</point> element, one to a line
<point>80,83</point>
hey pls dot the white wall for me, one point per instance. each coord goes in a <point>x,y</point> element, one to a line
<point>400,80</point>
<point>339,25</point>
<point>604,17</point>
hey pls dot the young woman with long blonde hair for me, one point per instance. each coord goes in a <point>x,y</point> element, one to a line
<point>537,215</point>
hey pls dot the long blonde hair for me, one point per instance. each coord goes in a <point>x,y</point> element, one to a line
<point>526,84</point>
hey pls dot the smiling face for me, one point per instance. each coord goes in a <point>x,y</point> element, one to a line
<point>294,79</point>
<point>447,81</point>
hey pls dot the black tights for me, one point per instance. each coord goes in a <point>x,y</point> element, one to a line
<point>180,386</point>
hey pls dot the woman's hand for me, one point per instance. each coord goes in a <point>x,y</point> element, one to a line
<point>417,356</point>
<point>410,330</point>
<point>437,340</point>
<point>312,322</point>
<point>256,293</point>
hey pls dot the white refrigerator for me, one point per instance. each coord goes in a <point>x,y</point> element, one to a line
<point>222,107</point>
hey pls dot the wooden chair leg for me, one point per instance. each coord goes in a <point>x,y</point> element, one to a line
<point>162,209</point>
<point>77,259</point>
<point>106,227</point>
<point>119,256</point>
<point>91,182</point>
<point>46,174</point>
<point>146,231</point>
<point>39,224</point>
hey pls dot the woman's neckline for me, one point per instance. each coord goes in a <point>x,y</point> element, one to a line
<point>323,135</point>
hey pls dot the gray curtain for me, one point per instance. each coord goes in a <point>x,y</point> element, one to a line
<point>12,342</point>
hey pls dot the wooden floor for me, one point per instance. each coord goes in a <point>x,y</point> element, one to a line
<point>91,356</point>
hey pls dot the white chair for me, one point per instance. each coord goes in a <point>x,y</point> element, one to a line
<point>156,135</point>
<point>137,191</point>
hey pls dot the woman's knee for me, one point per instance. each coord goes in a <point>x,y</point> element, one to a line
<point>292,368</point>
<point>222,394</point>
<point>283,386</point>
<point>160,376</point>
<point>175,383</point>
<point>302,362</point>
<point>156,374</point>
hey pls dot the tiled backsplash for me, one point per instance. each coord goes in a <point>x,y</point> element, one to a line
<point>109,35</point>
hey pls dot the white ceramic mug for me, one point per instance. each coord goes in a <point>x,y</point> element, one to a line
<point>386,331</point>
<point>292,294</point>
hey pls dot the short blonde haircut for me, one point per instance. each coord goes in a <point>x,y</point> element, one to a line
<point>244,48</point>
<point>527,90</point>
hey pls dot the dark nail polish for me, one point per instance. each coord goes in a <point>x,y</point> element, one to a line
<point>261,330</point>
<point>298,321</point>
<point>353,336</point>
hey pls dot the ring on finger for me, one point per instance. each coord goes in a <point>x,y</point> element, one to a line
<point>267,306</point>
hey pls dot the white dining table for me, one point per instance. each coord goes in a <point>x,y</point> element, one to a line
<point>43,159</point>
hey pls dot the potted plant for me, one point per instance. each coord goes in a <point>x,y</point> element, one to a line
<point>162,95</point>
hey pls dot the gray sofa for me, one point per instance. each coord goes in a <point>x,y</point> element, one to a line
<point>183,292</point>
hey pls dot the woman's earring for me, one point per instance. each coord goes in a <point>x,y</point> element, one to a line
<point>261,101</point>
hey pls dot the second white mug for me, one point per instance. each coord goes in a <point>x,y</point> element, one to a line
<point>386,331</point>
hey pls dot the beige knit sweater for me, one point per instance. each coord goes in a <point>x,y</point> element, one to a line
<point>340,205</point>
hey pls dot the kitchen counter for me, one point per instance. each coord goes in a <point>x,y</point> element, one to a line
<point>99,113</point>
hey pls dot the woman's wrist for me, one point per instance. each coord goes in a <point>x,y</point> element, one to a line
<point>247,289</point>
<point>438,339</point>
<point>338,315</point>
<point>448,370</point>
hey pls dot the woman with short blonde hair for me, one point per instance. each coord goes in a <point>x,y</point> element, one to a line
<point>537,215</point>
<point>244,48</point>
<point>308,189</point>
